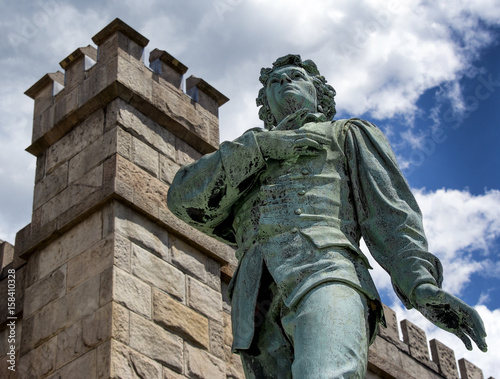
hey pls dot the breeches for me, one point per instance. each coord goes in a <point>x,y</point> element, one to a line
<point>324,336</point>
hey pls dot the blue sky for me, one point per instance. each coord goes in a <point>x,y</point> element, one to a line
<point>427,73</point>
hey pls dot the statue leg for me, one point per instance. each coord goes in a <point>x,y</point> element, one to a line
<point>329,330</point>
<point>270,355</point>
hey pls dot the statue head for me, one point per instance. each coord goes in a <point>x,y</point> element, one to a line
<point>290,85</point>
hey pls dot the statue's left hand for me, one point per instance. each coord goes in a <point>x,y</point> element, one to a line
<point>451,314</point>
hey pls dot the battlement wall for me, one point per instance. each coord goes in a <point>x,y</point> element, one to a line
<point>408,356</point>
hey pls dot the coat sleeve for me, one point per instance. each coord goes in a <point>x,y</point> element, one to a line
<point>388,214</point>
<point>203,193</point>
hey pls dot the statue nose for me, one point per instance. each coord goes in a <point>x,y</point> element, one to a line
<point>285,79</point>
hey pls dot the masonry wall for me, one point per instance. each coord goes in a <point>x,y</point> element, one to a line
<point>109,284</point>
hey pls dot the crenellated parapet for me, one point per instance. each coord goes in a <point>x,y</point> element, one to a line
<point>409,357</point>
<point>116,69</point>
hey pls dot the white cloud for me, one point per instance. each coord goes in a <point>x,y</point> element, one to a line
<point>458,221</point>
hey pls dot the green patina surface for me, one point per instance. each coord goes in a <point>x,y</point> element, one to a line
<point>296,197</point>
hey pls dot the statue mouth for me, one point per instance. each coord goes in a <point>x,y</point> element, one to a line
<point>287,88</point>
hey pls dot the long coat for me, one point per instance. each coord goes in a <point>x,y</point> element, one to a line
<point>303,217</point>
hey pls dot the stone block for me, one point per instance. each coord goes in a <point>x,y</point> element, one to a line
<point>136,123</point>
<point>123,252</point>
<point>43,123</point>
<point>228,331</point>
<point>157,272</point>
<point>167,67</point>
<point>40,167</point>
<point>145,157</point>
<point>390,333</point>
<point>99,77</point>
<point>70,244</point>
<point>76,193</point>
<point>59,314</point>
<point>97,327</point>
<point>180,319</point>
<point>124,143</point>
<point>469,370</point>
<point>44,90</point>
<point>140,230</point>
<point>92,156</point>
<point>416,340</point>
<point>84,335</point>
<point>136,77</point>
<point>234,367</point>
<point>119,36</point>
<point>38,362</point>
<point>167,348</point>
<point>217,339</point>
<point>168,169</point>
<point>188,259</point>
<point>72,100</point>
<point>108,210</point>
<point>131,292</point>
<point>90,262</point>
<point>444,358</point>
<point>45,290</point>
<point>226,303</point>
<point>51,185</point>
<point>205,300</point>
<point>106,286</point>
<point>185,153</point>
<point>206,95</point>
<point>83,367</point>
<point>127,363</point>
<point>213,274</point>
<point>203,365</point>
<point>209,246</point>
<point>103,360</point>
<point>75,141</point>
<point>120,323</point>
<point>70,344</point>
<point>392,356</point>
<point>187,120</point>
<point>169,374</point>
<point>75,65</point>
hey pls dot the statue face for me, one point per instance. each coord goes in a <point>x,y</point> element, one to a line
<point>290,89</point>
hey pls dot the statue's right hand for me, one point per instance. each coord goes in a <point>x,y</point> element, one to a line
<point>288,144</point>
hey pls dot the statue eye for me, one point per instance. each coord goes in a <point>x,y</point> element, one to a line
<point>273,81</point>
<point>298,74</point>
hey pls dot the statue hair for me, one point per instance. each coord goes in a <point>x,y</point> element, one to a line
<point>325,92</point>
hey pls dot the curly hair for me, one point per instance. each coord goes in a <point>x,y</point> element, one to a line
<point>325,93</point>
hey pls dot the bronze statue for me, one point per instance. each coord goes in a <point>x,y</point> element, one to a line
<point>296,197</point>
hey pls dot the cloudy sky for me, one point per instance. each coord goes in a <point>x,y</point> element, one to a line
<point>427,73</point>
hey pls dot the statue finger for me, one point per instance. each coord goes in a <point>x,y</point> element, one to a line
<point>475,329</point>
<point>464,338</point>
<point>308,143</point>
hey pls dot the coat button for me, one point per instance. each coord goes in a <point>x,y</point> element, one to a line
<point>298,211</point>
<point>302,192</point>
<point>295,230</point>
<point>305,172</point>
<point>237,219</point>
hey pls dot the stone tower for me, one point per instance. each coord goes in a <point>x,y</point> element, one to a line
<point>108,283</point>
